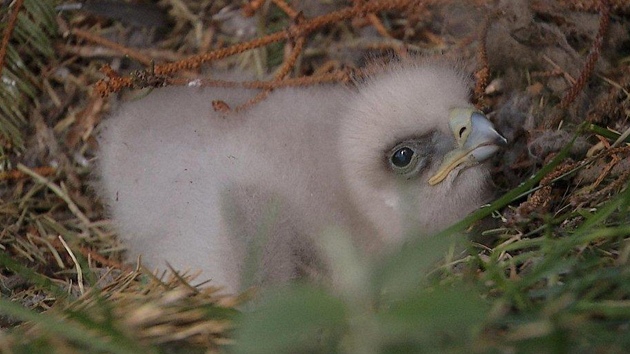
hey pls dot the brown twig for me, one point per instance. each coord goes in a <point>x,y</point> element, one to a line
<point>547,74</point>
<point>17,174</point>
<point>482,74</point>
<point>115,83</point>
<point>570,79</point>
<point>616,184</point>
<point>378,24</point>
<point>540,200</point>
<point>375,22</point>
<point>606,171</point>
<point>286,8</point>
<point>569,97</point>
<point>617,155</point>
<point>592,57</point>
<point>306,27</point>
<point>88,253</point>
<point>87,51</point>
<point>250,8</point>
<point>8,31</point>
<point>337,76</point>
<point>221,107</point>
<point>614,105</point>
<point>284,70</point>
<point>91,37</point>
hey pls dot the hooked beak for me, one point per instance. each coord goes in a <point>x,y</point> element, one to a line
<point>476,138</point>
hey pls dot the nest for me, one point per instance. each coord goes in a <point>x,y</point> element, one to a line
<point>544,71</point>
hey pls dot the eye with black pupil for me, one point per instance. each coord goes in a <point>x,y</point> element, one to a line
<point>402,157</point>
<point>461,131</point>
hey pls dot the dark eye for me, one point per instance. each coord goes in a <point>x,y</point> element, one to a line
<point>408,158</point>
<point>461,131</point>
<point>402,157</point>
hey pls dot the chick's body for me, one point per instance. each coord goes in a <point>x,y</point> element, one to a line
<point>189,186</point>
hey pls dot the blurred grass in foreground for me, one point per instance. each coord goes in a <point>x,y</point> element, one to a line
<point>558,289</point>
<point>565,287</point>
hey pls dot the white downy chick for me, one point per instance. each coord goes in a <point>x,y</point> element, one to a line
<point>202,190</point>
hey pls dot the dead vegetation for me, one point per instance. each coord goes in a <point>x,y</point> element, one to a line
<point>544,71</point>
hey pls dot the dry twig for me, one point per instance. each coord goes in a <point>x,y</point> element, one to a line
<point>286,8</point>
<point>483,73</point>
<point>284,70</point>
<point>89,36</point>
<point>337,76</point>
<point>156,75</point>
<point>9,31</point>
<point>540,200</point>
<point>592,57</point>
<point>17,174</point>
